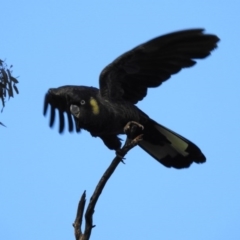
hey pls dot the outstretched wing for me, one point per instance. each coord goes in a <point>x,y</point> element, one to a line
<point>150,64</point>
<point>59,99</point>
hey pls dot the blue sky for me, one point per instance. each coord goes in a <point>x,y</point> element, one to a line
<point>43,174</point>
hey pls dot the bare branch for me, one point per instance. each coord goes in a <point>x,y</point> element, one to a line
<point>132,129</point>
<point>78,221</point>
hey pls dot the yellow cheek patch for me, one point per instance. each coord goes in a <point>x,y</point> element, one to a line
<point>94,105</point>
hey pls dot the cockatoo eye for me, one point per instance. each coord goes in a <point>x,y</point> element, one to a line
<point>82,102</point>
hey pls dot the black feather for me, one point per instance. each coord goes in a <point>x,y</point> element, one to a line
<point>70,122</point>
<point>45,107</point>
<point>52,116</point>
<point>61,121</point>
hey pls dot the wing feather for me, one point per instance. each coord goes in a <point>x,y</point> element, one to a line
<point>60,100</point>
<point>152,63</point>
<point>52,116</point>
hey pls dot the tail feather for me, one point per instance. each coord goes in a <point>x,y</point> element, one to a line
<point>169,148</point>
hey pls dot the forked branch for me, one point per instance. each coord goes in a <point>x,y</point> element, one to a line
<point>133,138</point>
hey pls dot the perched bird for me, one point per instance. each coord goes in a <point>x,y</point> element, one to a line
<point>105,111</point>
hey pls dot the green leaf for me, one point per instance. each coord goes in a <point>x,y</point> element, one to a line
<point>4,77</point>
<point>16,89</point>
<point>14,79</point>
<point>2,124</point>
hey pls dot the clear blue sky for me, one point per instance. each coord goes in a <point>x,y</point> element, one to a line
<point>42,174</point>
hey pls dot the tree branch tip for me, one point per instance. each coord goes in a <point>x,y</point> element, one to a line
<point>122,160</point>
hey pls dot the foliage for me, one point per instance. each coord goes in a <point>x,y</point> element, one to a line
<point>7,84</point>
